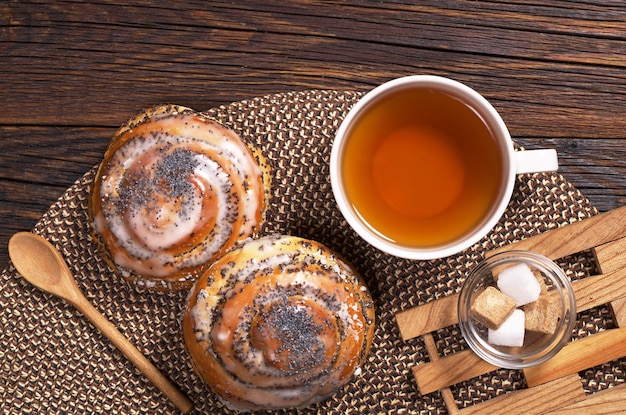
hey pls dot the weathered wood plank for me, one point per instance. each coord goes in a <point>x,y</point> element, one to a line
<point>213,55</point>
<point>564,391</point>
<point>607,402</point>
<point>554,71</point>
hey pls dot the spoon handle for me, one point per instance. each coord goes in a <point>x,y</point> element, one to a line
<point>133,354</point>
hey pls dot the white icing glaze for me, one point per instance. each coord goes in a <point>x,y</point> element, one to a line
<point>178,178</point>
<point>318,304</point>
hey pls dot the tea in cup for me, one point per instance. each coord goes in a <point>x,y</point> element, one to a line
<point>423,167</point>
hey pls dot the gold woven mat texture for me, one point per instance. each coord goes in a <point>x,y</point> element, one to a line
<point>53,361</point>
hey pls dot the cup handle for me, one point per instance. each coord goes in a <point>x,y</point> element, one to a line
<point>534,161</point>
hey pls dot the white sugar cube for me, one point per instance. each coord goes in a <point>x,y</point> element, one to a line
<point>519,283</point>
<point>510,333</point>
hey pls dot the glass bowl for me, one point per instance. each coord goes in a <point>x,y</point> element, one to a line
<point>537,347</point>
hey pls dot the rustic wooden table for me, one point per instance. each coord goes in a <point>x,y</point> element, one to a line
<point>72,72</point>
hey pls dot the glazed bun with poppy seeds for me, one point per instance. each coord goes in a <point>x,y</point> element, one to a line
<point>174,192</point>
<point>278,322</point>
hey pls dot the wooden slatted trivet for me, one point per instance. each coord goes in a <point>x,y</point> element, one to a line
<point>554,386</point>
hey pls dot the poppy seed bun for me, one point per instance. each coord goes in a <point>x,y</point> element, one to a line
<point>174,192</point>
<point>278,322</point>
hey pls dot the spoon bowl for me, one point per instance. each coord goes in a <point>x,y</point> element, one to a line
<point>41,264</point>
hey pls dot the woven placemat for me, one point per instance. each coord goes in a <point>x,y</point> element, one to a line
<point>53,361</point>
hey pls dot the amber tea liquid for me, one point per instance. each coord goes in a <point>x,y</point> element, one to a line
<point>421,168</point>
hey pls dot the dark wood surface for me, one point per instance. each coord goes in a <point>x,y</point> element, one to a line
<point>72,72</point>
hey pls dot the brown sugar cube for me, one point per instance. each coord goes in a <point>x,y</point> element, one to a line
<point>541,280</point>
<point>492,307</point>
<point>543,315</point>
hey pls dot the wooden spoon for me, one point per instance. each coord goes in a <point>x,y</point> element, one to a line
<point>42,265</point>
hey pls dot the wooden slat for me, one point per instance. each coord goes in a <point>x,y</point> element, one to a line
<point>446,394</point>
<point>449,370</point>
<point>618,308</point>
<point>609,401</point>
<point>556,394</point>
<point>428,317</point>
<point>579,355</point>
<point>611,256</point>
<point>574,237</point>
<point>600,289</point>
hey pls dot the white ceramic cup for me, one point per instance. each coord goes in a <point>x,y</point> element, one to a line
<point>513,163</point>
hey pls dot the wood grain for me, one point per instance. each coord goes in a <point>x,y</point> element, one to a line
<point>71,72</point>
<point>449,370</point>
<point>605,402</point>
<point>574,237</point>
<point>446,393</point>
<point>610,256</point>
<point>561,392</point>
<point>579,355</point>
<point>428,317</point>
